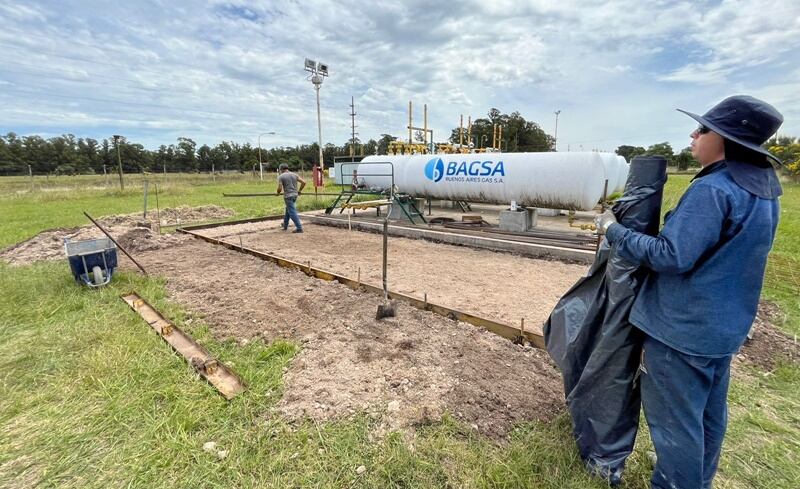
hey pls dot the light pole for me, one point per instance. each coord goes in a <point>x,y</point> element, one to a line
<point>555,136</point>
<point>318,71</point>
<point>117,137</point>
<point>260,165</point>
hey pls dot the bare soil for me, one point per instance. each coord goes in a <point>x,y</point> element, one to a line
<point>407,370</point>
<point>769,345</point>
<point>130,230</point>
<point>499,286</point>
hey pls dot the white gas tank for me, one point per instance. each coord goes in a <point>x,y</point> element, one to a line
<point>553,180</point>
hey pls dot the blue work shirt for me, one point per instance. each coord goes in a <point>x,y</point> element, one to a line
<point>706,266</point>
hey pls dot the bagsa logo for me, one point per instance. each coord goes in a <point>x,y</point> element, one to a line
<point>434,169</point>
<point>464,171</point>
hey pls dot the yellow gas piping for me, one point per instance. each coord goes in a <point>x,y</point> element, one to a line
<point>584,227</point>
<point>469,130</point>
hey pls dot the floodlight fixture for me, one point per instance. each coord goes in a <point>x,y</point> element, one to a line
<point>322,69</point>
<point>311,65</point>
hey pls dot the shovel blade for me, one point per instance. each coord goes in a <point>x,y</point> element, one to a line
<point>386,310</point>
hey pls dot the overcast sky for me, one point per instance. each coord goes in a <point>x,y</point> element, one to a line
<point>158,70</point>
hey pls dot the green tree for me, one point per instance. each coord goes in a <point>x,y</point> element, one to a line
<point>164,158</point>
<point>370,148</point>
<point>518,135</point>
<point>205,160</point>
<point>185,157</point>
<point>630,152</point>
<point>7,164</point>
<point>787,149</point>
<point>662,149</point>
<point>684,159</point>
<point>383,144</point>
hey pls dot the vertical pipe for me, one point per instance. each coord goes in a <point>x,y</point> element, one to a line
<point>319,124</point>
<point>469,129</point>
<point>494,136</point>
<point>425,125</point>
<point>461,133</point>
<point>409,122</point>
<point>500,137</point>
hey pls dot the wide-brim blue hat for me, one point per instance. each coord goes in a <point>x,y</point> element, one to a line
<point>745,120</point>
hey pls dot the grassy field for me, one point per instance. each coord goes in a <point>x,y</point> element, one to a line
<point>91,398</point>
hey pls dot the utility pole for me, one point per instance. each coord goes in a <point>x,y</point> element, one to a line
<point>117,137</point>
<point>555,136</point>
<point>353,126</point>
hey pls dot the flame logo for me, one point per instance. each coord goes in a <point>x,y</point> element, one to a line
<point>434,169</point>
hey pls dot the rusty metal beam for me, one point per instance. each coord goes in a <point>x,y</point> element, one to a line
<point>501,329</point>
<point>215,372</point>
<point>232,223</point>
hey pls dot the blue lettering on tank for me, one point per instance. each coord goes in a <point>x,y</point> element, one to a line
<point>499,169</point>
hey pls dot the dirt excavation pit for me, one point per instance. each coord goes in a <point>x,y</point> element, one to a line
<point>405,371</point>
<point>498,286</point>
<point>131,231</point>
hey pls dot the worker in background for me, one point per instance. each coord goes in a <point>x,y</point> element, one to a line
<point>700,297</point>
<point>287,184</point>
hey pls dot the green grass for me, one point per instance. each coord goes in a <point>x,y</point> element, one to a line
<point>62,202</point>
<point>91,397</point>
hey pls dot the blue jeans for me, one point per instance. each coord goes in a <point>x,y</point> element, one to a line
<point>685,404</point>
<point>291,213</point>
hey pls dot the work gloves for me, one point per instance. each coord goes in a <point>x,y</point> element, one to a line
<point>604,220</point>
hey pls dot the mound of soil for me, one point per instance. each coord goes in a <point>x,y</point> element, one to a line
<point>407,370</point>
<point>130,231</point>
<point>170,216</point>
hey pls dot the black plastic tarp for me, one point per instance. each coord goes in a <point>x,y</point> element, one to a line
<point>589,337</point>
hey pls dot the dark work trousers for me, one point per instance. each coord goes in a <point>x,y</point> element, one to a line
<point>685,404</point>
<point>291,213</point>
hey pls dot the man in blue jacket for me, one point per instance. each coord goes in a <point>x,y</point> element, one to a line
<point>700,298</point>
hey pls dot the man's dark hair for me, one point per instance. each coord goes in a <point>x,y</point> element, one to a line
<point>283,166</point>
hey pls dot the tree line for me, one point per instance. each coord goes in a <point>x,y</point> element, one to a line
<point>69,155</point>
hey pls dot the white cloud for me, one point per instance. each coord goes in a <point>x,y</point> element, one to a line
<point>229,70</point>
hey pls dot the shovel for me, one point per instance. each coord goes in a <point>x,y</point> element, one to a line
<point>387,309</point>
